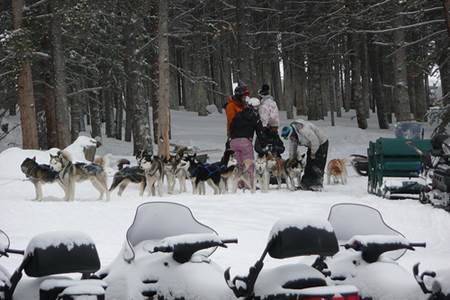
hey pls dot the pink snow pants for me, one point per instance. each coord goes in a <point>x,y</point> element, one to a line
<point>243,149</point>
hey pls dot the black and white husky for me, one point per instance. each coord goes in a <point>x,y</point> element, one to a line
<point>40,174</point>
<point>154,172</point>
<point>71,173</point>
<point>294,168</point>
<point>176,167</point>
<point>127,175</point>
<point>208,173</point>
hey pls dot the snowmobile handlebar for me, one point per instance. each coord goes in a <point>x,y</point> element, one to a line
<point>418,245</point>
<point>183,251</point>
<point>11,251</point>
<point>371,251</point>
<point>172,248</point>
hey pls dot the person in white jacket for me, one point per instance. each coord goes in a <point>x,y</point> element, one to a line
<point>268,109</point>
<point>303,133</point>
<point>270,120</point>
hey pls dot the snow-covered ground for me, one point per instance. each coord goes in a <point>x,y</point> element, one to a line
<point>249,217</point>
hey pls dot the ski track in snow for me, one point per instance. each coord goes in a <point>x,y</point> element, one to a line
<point>249,217</point>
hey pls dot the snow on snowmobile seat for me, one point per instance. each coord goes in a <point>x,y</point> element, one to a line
<point>60,252</point>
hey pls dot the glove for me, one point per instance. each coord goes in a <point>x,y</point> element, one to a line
<point>267,148</point>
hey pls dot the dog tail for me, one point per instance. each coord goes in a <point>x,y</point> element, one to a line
<point>121,163</point>
<point>64,154</point>
<point>103,161</point>
<point>116,181</point>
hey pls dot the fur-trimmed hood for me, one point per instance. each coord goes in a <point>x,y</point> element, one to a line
<point>309,135</point>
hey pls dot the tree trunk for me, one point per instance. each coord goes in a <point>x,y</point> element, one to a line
<point>401,81</point>
<point>59,73</point>
<point>346,73</point>
<point>200,70</point>
<point>243,56</point>
<point>357,84</point>
<point>174,100</point>
<point>300,79</point>
<point>75,115</point>
<point>118,98</point>
<point>324,89</point>
<point>96,122</point>
<point>365,78</point>
<point>288,90</point>
<point>188,84</point>
<point>277,89</point>
<point>108,105</point>
<point>339,91</point>
<point>332,92</point>
<point>377,85</point>
<point>50,116</point>
<point>26,100</point>
<point>387,77</point>
<point>164,74</point>
<point>315,94</point>
<point>421,99</point>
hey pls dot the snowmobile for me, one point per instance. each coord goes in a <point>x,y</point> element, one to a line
<point>166,255</point>
<point>169,258</point>
<point>47,255</point>
<point>436,172</point>
<point>369,257</point>
<point>292,238</point>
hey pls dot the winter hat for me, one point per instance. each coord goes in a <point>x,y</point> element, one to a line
<point>241,89</point>
<point>264,91</point>
<point>286,132</point>
<point>254,102</point>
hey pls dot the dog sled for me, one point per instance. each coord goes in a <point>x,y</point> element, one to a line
<point>391,160</point>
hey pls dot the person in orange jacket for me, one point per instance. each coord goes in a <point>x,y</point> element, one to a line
<point>236,103</point>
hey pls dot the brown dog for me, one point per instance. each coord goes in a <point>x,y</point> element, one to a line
<point>336,169</point>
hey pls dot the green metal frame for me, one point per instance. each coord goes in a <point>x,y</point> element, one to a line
<point>393,157</point>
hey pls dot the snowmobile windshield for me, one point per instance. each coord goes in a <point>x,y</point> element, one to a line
<point>349,220</point>
<point>409,130</point>
<point>4,242</point>
<point>159,220</point>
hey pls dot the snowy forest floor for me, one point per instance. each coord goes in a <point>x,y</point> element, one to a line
<point>247,216</point>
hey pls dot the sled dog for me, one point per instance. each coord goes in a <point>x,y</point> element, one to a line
<point>293,168</point>
<point>337,171</point>
<point>241,178</point>
<point>227,175</point>
<point>211,174</point>
<point>126,175</point>
<point>39,174</point>
<point>276,167</point>
<point>176,168</point>
<point>154,172</point>
<point>71,173</point>
<point>262,173</point>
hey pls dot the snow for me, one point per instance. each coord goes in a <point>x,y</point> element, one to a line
<point>270,281</point>
<point>249,217</point>
<point>189,239</point>
<point>84,289</point>
<point>378,239</point>
<point>4,242</point>
<point>53,283</point>
<point>327,290</point>
<point>57,238</point>
<point>76,148</point>
<point>212,109</point>
<point>299,223</point>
